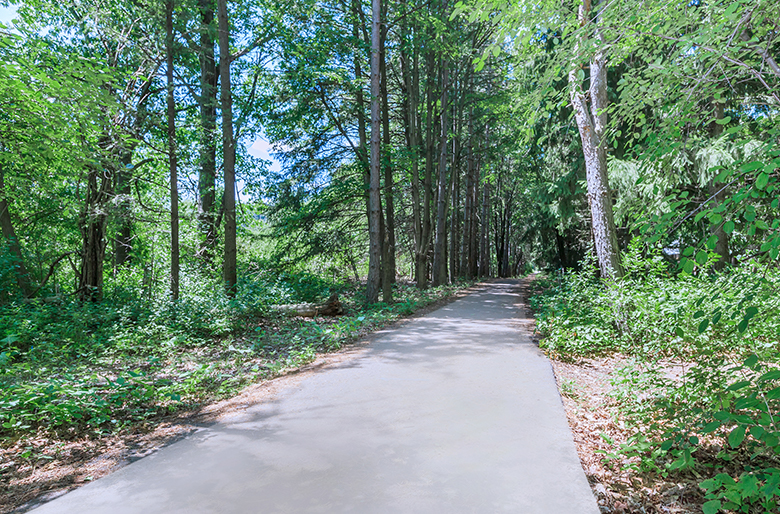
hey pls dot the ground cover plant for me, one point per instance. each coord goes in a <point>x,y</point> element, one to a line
<point>68,369</point>
<point>698,380</point>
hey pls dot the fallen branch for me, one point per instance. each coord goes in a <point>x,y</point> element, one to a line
<point>332,307</point>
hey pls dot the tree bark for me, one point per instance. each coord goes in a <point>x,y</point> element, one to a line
<point>717,190</point>
<point>388,248</point>
<point>9,233</point>
<point>454,253</point>
<point>470,210</point>
<point>439,257</point>
<point>484,247</point>
<point>207,174</point>
<point>375,243</point>
<point>172,161</point>
<point>93,231</point>
<point>411,77</point>
<point>229,150</point>
<point>591,119</point>
<point>360,106</point>
<point>421,267</point>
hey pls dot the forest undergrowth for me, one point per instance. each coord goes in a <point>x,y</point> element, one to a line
<point>694,374</point>
<point>70,369</point>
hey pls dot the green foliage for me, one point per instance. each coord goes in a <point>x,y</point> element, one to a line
<point>701,375</point>
<point>70,368</point>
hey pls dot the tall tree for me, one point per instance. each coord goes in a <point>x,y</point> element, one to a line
<point>172,162</point>
<point>229,272</point>
<point>440,241</point>
<point>388,245</point>
<point>375,242</point>
<point>9,234</point>
<point>590,111</point>
<point>207,101</point>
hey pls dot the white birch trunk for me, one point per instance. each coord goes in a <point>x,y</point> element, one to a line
<point>591,116</point>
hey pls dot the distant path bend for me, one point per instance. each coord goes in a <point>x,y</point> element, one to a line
<point>453,412</point>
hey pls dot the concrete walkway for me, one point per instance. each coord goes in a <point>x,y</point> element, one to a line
<point>453,412</point>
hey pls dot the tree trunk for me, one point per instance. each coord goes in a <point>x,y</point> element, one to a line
<point>439,257</point>
<point>375,243</point>
<point>591,119</point>
<point>172,162</point>
<point>124,237</point>
<point>93,231</point>
<point>717,190</point>
<point>388,248</point>
<point>454,254</point>
<point>411,79</point>
<point>229,150</point>
<point>22,277</point>
<point>207,175</point>
<point>421,269</point>
<point>484,247</point>
<point>470,236</point>
<point>361,112</point>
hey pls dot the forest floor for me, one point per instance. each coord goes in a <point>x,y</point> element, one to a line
<point>35,470</point>
<point>586,385</point>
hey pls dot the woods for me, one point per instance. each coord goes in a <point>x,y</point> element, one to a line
<point>415,147</point>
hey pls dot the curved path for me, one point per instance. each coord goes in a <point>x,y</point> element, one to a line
<point>453,412</point>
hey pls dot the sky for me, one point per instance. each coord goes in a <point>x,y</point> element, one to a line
<point>6,13</point>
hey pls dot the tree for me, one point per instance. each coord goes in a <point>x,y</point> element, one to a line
<point>375,243</point>
<point>590,111</point>
<point>174,179</point>
<point>229,272</point>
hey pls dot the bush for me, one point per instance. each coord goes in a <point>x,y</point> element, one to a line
<point>702,375</point>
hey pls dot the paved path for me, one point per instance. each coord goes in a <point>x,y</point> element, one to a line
<point>454,412</point>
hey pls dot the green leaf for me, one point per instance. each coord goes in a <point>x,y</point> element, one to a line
<point>711,427</point>
<point>731,9</point>
<point>679,331</point>
<point>722,415</point>
<point>728,227</point>
<point>701,257</point>
<point>751,166</point>
<point>774,394</point>
<point>770,375</point>
<point>738,385</point>
<point>711,507</point>
<point>743,325</point>
<point>687,265</point>
<point>737,436</point>
<point>762,181</point>
<point>703,325</point>
<point>724,121</point>
<point>698,314</point>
